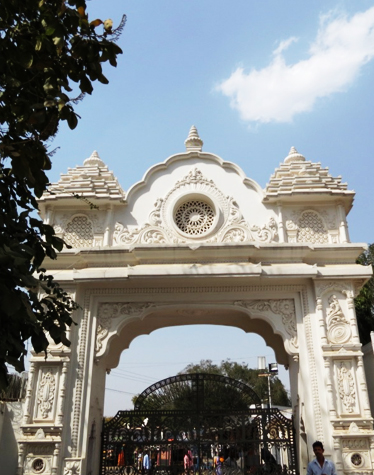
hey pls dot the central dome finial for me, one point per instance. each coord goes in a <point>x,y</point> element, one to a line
<point>294,156</point>
<point>193,142</point>
<point>94,160</point>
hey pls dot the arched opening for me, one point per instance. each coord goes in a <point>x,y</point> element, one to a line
<point>132,322</point>
<point>168,351</point>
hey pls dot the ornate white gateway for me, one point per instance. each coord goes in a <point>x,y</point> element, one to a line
<point>197,242</point>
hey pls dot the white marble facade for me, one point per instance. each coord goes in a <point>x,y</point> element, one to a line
<point>196,241</point>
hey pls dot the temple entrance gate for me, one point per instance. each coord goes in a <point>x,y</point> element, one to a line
<point>197,242</point>
<point>221,417</point>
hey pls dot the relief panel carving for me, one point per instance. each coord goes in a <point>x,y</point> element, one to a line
<point>163,225</point>
<point>346,387</point>
<point>338,327</point>
<point>46,394</point>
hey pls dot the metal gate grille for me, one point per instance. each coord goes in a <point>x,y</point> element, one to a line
<point>247,441</point>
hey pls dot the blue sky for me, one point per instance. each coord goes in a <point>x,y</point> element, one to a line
<point>255,78</point>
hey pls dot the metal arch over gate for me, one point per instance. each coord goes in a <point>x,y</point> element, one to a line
<point>199,423</point>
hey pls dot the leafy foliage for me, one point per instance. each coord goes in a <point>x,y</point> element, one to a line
<point>16,389</point>
<point>46,47</point>
<point>246,375</point>
<point>364,303</point>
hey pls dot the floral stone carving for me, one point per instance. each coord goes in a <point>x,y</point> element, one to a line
<point>346,387</point>
<point>46,394</point>
<point>283,307</point>
<point>338,328</point>
<point>109,311</point>
<point>195,217</point>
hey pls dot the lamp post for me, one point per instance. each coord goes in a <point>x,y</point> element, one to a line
<point>272,371</point>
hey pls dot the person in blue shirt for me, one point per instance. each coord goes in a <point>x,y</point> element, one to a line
<point>320,465</point>
<point>146,463</point>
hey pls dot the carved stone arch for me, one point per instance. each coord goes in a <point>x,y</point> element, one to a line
<point>312,228</point>
<point>116,332</point>
<point>79,231</point>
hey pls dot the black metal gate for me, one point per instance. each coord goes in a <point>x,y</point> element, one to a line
<point>179,426</point>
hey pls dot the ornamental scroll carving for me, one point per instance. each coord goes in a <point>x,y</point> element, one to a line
<point>338,328</point>
<point>346,386</point>
<point>46,394</point>
<point>355,444</point>
<point>283,307</point>
<point>72,467</point>
<point>162,228</point>
<point>107,312</point>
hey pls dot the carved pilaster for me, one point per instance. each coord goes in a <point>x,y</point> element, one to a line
<point>337,449</point>
<point>60,414</point>
<point>361,379</point>
<point>107,231</point>
<point>329,387</point>
<point>21,457</point>
<point>281,234</point>
<point>29,393</point>
<point>343,227</point>
<point>352,315</point>
<point>56,454</point>
<point>321,321</point>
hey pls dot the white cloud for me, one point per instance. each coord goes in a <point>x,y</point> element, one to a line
<point>279,91</point>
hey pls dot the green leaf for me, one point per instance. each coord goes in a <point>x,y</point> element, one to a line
<point>72,120</point>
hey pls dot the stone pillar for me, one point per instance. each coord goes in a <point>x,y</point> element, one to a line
<point>281,234</point>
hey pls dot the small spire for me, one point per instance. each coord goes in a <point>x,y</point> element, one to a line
<point>94,160</point>
<point>294,156</point>
<point>193,142</point>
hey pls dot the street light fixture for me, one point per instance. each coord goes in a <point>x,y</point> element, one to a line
<point>272,371</point>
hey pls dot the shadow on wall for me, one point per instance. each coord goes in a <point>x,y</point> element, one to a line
<point>10,421</point>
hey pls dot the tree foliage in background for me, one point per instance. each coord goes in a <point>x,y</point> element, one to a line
<point>47,48</point>
<point>246,375</point>
<point>364,303</point>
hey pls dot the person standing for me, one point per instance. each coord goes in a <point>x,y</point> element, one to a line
<point>146,463</point>
<point>320,465</point>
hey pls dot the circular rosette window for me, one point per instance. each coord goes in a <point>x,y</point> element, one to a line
<point>195,217</point>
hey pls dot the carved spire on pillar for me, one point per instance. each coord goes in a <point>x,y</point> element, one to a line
<point>193,142</point>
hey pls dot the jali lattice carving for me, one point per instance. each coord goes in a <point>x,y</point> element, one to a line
<point>311,229</point>
<point>346,386</point>
<point>46,394</point>
<point>79,232</point>
<point>194,217</point>
<point>338,328</point>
